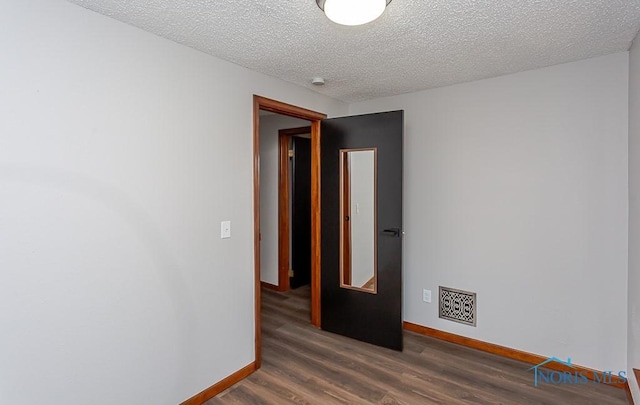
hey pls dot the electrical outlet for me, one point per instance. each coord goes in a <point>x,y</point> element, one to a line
<point>426,296</point>
<point>225,229</point>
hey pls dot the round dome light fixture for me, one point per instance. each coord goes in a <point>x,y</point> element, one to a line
<point>353,12</point>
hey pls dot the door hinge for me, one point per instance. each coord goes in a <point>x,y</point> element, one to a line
<point>290,272</point>
<point>291,153</point>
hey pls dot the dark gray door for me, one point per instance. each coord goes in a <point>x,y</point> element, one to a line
<point>370,310</point>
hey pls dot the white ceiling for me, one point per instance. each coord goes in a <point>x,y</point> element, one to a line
<point>415,45</point>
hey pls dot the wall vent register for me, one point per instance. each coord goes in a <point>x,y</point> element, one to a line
<point>457,305</point>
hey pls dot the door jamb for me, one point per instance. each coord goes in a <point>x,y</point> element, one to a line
<point>262,103</point>
<point>284,214</point>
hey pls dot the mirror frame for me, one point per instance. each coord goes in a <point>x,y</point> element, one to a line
<point>344,194</point>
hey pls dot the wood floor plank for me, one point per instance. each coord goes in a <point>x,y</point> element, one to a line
<point>320,390</point>
<point>306,366</point>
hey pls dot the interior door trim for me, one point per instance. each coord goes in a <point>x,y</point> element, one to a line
<point>262,103</point>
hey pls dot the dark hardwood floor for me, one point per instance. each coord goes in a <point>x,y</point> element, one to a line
<point>304,365</point>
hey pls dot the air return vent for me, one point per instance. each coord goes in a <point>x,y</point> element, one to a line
<point>458,306</point>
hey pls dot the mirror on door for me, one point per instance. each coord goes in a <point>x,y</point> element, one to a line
<point>358,228</point>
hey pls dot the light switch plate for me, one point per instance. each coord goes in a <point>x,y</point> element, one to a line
<point>225,229</point>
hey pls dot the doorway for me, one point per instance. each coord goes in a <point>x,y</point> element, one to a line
<point>265,104</point>
<point>371,309</point>
<point>294,208</point>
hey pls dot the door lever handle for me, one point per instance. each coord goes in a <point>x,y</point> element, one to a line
<point>394,232</point>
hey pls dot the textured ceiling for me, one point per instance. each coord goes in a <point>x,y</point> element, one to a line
<point>415,45</point>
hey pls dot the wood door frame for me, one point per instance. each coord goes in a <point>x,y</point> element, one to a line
<point>284,214</point>
<point>263,103</point>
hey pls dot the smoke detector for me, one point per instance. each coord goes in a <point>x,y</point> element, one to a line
<point>317,81</point>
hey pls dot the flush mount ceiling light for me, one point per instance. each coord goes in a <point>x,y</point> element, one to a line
<point>353,12</point>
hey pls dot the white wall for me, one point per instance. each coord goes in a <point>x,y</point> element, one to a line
<point>269,168</point>
<point>516,188</point>
<point>633,348</point>
<point>120,153</point>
